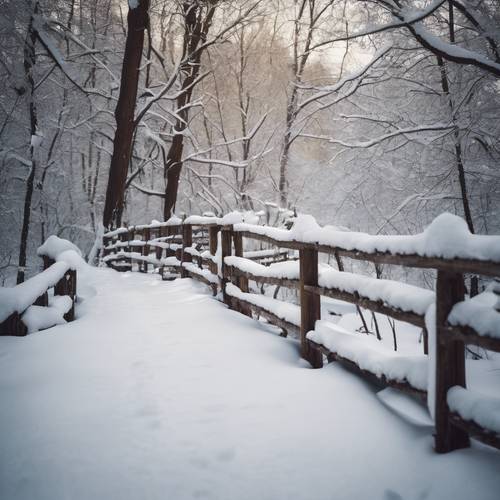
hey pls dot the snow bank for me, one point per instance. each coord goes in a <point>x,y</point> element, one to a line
<point>369,355</point>
<point>479,313</point>
<point>284,310</point>
<point>20,297</point>
<point>446,237</point>
<point>483,410</point>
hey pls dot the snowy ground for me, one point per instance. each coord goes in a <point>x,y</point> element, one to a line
<point>158,392</point>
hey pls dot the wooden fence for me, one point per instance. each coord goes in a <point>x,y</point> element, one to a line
<point>35,292</point>
<point>213,253</point>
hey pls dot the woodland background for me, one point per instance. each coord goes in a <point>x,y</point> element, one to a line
<point>374,115</point>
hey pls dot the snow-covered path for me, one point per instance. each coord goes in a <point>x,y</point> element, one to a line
<point>159,392</point>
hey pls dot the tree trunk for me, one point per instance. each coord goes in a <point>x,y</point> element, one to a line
<point>196,27</point>
<point>137,20</point>
<point>29,65</point>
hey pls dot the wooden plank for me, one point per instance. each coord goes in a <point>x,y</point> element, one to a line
<point>450,363</point>
<point>13,325</point>
<point>295,284</point>
<point>404,386</point>
<point>486,436</point>
<point>375,306</point>
<point>213,231</point>
<point>187,242</point>
<point>67,286</point>
<point>271,317</point>
<point>310,305</point>
<point>485,268</point>
<point>203,280</point>
<point>43,300</point>
<point>469,336</point>
<point>226,250</point>
<point>239,280</point>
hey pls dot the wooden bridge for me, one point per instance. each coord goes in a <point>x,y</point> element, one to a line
<point>208,250</point>
<point>216,253</point>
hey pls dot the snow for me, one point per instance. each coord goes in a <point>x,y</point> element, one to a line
<point>369,354</point>
<point>479,313</point>
<point>398,295</point>
<point>392,293</point>
<point>205,273</point>
<point>115,232</point>
<point>261,254</point>
<point>39,318</point>
<point>20,297</point>
<point>54,246</point>
<point>471,405</point>
<point>280,270</point>
<point>405,406</point>
<point>234,217</point>
<point>447,236</point>
<point>158,391</point>
<point>284,310</point>
<point>173,221</point>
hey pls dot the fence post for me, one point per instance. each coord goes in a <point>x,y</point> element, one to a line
<point>130,248</point>
<point>226,250</point>
<point>124,238</point>
<point>13,325</point>
<point>212,246</point>
<point>47,262</point>
<point>310,305</point>
<point>67,286</point>
<point>187,242</point>
<point>450,362</point>
<point>242,281</point>
<point>145,249</point>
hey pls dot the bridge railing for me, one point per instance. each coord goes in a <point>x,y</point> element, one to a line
<point>26,307</point>
<point>219,260</point>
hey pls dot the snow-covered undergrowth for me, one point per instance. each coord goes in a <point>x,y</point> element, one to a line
<point>158,391</point>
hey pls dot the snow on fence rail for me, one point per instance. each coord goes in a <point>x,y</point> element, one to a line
<point>446,245</point>
<point>27,307</point>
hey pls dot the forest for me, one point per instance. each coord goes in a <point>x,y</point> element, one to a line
<point>249,249</point>
<point>372,115</point>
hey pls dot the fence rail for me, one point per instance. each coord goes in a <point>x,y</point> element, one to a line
<point>206,250</point>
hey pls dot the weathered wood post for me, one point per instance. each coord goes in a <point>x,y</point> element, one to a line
<point>124,238</point>
<point>67,286</point>
<point>450,362</point>
<point>226,250</point>
<point>145,248</point>
<point>47,262</point>
<point>13,325</point>
<point>310,305</point>
<point>130,248</point>
<point>187,242</point>
<point>242,281</point>
<point>212,246</point>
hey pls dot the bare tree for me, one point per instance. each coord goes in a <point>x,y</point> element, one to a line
<point>137,20</point>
